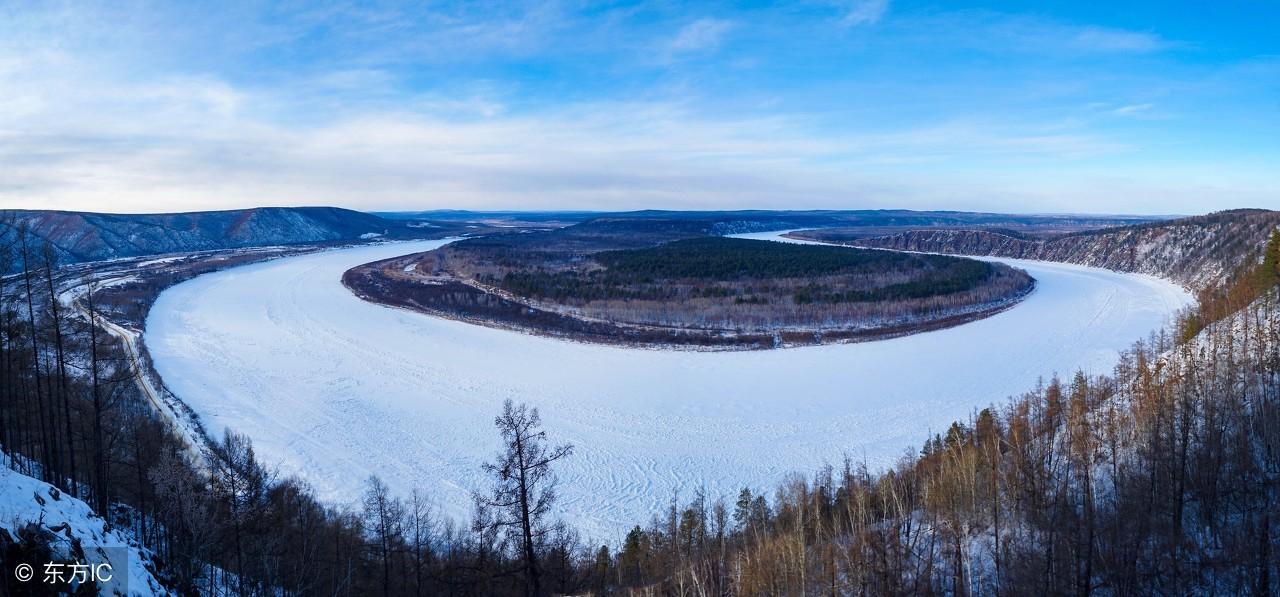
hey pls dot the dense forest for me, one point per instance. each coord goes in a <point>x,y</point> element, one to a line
<point>1162,477</point>
<point>652,273</point>
<point>708,283</point>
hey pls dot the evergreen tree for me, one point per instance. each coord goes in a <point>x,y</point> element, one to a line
<point>1267,275</point>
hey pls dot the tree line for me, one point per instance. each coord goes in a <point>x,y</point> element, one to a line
<point>648,273</point>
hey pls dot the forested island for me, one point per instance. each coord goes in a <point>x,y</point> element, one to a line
<point>660,283</point>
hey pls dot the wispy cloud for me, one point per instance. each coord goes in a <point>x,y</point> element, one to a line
<point>700,35</point>
<point>864,12</point>
<point>200,143</point>
<point>1007,33</point>
<point>1132,109</point>
<point>1102,39</point>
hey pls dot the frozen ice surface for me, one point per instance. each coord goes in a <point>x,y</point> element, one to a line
<point>333,388</point>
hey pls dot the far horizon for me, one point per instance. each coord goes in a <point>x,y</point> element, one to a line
<point>425,213</point>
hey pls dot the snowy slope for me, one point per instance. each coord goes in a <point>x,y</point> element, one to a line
<point>24,500</point>
<point>334,388</point>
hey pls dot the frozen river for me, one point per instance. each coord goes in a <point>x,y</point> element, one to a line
<point>333,388</point>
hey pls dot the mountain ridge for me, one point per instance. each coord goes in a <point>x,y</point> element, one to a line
<point>91,236</point>
<point>1197,251</point>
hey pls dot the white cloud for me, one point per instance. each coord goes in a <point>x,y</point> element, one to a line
<point>864,12</point>
<point>1132,109</point>
<point>1002,32</point>
<point>1102,39</point>
<point>87,139</point>
<point>177,149</point>
<point>702,34</point>
<point>200,94</point>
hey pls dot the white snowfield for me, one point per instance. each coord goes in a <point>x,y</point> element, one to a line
<point>334,389</point>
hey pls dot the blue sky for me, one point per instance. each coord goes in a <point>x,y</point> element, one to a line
<point>1135,107</point>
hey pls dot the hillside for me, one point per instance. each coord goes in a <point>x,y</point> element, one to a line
<point>39,524</point>
<point>85,236</point>
<point>1197,252</point>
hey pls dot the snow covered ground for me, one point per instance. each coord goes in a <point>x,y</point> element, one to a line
<point>334,388</point>
<point>24,500</point>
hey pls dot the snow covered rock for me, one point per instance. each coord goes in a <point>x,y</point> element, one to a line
<point>40,525</point>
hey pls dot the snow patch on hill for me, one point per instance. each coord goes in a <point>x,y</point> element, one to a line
<point>79,534</point>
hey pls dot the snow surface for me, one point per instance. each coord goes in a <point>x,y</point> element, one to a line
<point>334,388</point>
<point>162,260</point>
<point>21,500</point>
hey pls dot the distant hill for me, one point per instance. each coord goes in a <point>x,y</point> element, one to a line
<point>1198,251</point>
<point>464,215</point>
<point>760,220</point>
<point>742,221</point>
<point>86,236</point>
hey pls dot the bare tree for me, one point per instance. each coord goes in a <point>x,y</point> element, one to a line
<point>99,400</point>
<point>55,315</point>
<point>524,485</point>
<point>420,532</point>
<point>384,519</point>
<point>183,508</point>
<point>238,483</point>
<point>50,456</point>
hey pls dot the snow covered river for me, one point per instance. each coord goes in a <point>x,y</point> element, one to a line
<point>333,388</point>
